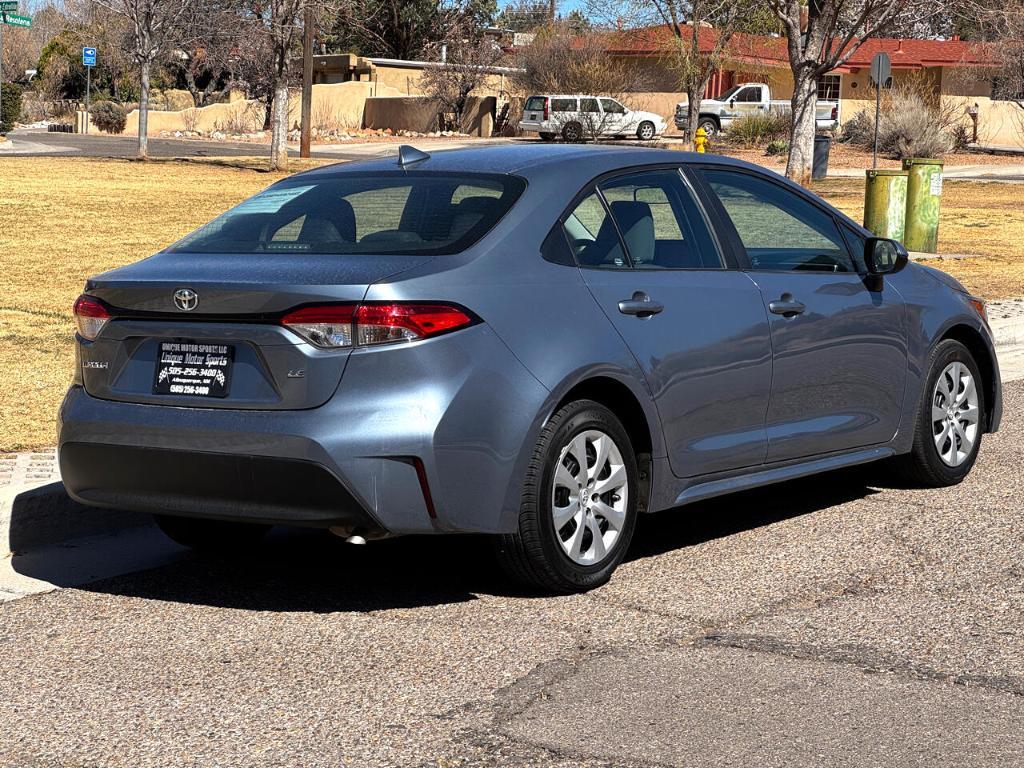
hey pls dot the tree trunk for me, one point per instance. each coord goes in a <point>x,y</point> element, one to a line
<point>143,151</point>
<point>279,137</point>
<point>694,94</point>
<point>801,139</point>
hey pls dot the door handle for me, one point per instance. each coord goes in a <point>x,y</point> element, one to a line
<point>786,306</point>
<point>640,305</point>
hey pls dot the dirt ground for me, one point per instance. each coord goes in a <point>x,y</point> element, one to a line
<point>847,156</point>
<point>64,219</point>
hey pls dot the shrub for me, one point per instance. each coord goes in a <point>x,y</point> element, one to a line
<point>961,136</point>
<point>909,127</point>
<point>109,117</point>
<point>759,128</point>
<point>777,147</point>
<point>10,107</point>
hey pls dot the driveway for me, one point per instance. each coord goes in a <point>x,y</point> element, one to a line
<point>835,621</point>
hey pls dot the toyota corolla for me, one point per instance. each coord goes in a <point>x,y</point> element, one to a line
<point>540,344</point>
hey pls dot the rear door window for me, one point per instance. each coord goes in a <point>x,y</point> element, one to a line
<point>563,105</point>
<point>383,213</point>
<point>592,235</point>
<point>661,222</point>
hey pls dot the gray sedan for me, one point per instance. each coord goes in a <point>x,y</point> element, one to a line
<point>537,343</point>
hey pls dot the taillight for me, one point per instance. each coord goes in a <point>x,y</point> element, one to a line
<point>336,326</point>
<point>547,103</point>
<point>90,316</point>
<point>329,327</point>
<point>835,113</point>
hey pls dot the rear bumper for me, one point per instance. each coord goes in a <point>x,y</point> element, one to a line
<point>423,438</point>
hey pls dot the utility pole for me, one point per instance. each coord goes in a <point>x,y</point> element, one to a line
<point>307,81</point>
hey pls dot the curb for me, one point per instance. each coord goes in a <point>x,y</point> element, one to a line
<point>33,517</point>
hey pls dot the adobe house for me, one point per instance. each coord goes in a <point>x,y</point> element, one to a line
<point>957,73</point>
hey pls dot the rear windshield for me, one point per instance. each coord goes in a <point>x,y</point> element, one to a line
<point>535,103</point>
<point>384,213</point>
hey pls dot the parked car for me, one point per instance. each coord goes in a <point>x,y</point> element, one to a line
<point>538,343</point>
<point>576,118</point>
<point>716,115</point>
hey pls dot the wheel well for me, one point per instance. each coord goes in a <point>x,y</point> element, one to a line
<point>971,339</point>
<point>618,398</point>
<point>713,118</point>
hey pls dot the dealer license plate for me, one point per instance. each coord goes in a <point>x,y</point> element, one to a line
<point>193,369</point>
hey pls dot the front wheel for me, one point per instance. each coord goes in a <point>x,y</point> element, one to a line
<point>646,131</point>
<point>215,536</point>
<point>579,503</point>
<point>950,420</point>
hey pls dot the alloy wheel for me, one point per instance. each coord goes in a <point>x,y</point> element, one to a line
<point>955,414</point>
<point>589,497</point>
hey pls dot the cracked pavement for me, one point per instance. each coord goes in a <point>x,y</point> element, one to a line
<point>833,621</point>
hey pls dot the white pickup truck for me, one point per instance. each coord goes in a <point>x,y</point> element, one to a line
<point>748,98</point>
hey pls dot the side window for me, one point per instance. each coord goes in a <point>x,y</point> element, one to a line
<point>779,229</point>
<point>588,105</point>
<point>592,235</point>
<point>563,105</point>
<point>611,106</point>
<point>749,94</point>
<point>661,223</point>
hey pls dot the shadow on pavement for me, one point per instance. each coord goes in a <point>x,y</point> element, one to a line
<point>299,570</point>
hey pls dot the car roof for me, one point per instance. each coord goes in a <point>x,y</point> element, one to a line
<point>531,158</point>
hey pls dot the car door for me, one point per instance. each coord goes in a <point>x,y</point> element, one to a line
<point>838,338</point>
<point>616,117</point>
<point>746,101</point>
<point>697,328</point>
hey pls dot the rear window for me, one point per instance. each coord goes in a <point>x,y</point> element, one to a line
<point>384,213</point>
<point>563,105</point>
<point>535,103</point>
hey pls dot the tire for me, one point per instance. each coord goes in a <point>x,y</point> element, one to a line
<point>215,536</point>
<point>545,136</point>
<point>572,132</point>
<point>925,465</point>
<point>646,131</point>
<point>710,126</point>
<point>542,556</point>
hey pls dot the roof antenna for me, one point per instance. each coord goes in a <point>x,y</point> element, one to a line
<point>408,155</point>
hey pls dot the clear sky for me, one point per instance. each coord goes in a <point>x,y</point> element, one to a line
<point>564,6</point>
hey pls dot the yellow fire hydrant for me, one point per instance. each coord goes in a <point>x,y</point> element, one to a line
<point>700,140</point>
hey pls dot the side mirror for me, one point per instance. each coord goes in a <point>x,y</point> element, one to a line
<point>883,256</point>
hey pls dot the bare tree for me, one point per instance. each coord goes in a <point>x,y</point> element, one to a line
<point>1001,33</point>
<point>702,31</point>
<point>823,35</point>
<point>469,60</point>
<point>157,26</point>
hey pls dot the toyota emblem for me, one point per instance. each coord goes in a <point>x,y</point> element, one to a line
<point>186,299</point>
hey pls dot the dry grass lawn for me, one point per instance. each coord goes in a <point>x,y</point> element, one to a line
<point>62,220</point>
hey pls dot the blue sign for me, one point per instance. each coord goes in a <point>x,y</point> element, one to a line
<point>88,57</point>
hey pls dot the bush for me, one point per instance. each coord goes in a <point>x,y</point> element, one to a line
<point>759,128</point>
<point>909,127</point>
<point>10,107</point>
<point>777,147</point>
<point>109,117</point>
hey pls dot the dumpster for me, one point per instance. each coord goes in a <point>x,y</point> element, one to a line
<point>822,147</point>
<point>924,191</point>
<point>885,203</point>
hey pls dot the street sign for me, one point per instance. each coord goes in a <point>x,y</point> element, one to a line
<point>88,57</point>
<point>8,6</point>
<point>14,20</point>
<point>881,70</point>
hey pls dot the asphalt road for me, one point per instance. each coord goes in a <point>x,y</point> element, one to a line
<point>829,622</point>
<point>101,145</point>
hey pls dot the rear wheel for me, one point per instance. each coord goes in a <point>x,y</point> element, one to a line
<point>646,131</point>
<point>950,420</point>
<point>579,503</point>
<point>211,535</point>
<point>572,132</point>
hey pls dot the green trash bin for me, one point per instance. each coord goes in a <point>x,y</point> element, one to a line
<point>885,203</point>
<point>924,191</point>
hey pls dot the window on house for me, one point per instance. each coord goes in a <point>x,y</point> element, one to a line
<point>828,88</point>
